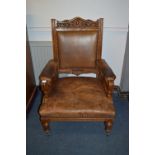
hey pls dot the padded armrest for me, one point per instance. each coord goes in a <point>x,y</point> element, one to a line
<point>49,70</point>
<point>106,76</point>
<point>105,69</point>
<point>48,76</point>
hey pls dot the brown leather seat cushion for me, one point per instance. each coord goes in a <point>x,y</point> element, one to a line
<point>77,97</point>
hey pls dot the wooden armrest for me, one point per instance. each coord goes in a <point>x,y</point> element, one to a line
<point>48,76</point>
<point>106,76</point>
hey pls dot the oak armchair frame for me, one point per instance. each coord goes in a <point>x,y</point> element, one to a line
<point>104,73</point>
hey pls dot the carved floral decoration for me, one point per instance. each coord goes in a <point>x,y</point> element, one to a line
<point>77,23</point>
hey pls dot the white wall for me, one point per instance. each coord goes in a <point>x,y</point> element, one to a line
<point>114,12</point>
<point>124,85</point>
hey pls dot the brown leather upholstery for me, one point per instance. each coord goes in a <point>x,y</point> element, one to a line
<point>77,47</point>
<point>78,97</point>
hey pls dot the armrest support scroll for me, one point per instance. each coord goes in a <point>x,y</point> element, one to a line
<point>106,76</point>
<point>48,76</point>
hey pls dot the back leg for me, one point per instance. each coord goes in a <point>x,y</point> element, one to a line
<point>108,126</point>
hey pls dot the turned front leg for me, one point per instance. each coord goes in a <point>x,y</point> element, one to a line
<point>45,126</point>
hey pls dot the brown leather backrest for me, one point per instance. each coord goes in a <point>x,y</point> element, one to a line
<point>77,43</point>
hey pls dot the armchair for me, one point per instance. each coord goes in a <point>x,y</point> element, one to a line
<point>77,47</point>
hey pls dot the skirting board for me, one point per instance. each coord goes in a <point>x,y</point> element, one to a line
<point>122,94</point>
